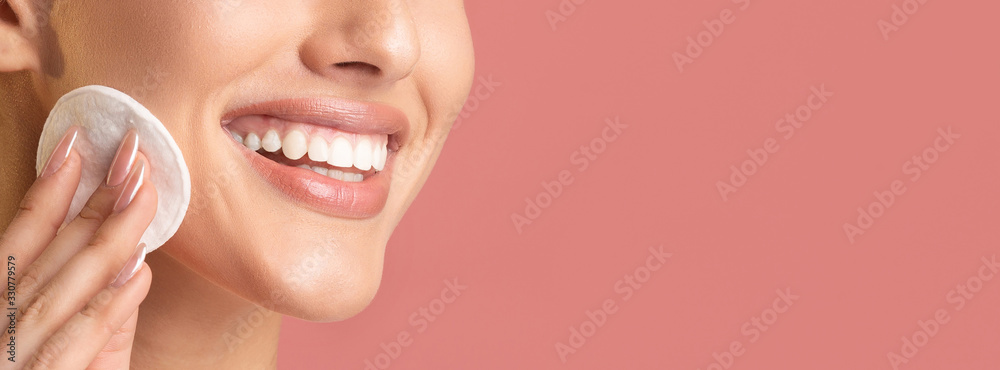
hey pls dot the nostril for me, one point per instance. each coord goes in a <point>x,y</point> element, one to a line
<point>358,67</point>
<point>7,14</point>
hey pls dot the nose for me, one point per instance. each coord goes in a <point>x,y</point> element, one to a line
<point>363,42</point>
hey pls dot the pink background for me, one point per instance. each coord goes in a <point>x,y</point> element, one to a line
<point>656,185</point>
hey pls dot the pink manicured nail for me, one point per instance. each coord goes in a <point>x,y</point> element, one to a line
<point>131,267</point>
<point>124,157</point>
<point>135,179</point>
<point>61,152</point>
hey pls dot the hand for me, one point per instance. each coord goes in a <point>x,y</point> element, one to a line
<point>77,290</point>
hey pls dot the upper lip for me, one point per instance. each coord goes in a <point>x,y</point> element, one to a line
<point>341,114</point>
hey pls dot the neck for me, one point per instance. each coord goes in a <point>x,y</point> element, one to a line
<point>185,321</point>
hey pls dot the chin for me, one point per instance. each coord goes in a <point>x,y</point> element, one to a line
<point>330,278</point>
<point>282,255</point>
<point>324,270</point>
<point>328,295</point>
<point>312,276</point>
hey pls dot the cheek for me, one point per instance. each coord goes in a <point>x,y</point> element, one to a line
<point>446,62</point>
<point>147,47</point>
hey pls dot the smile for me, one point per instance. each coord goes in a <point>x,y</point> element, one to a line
<point>333,155</point>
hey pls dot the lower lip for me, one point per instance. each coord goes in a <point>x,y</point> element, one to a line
<point>337,198</point>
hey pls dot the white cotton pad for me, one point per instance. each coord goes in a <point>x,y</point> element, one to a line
<point>105,115</point>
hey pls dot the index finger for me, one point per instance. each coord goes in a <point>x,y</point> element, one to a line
<point>45,205</point>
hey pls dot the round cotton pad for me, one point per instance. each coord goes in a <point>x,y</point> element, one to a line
<point>105,116</point>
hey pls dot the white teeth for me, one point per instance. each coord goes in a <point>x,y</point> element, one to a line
<point>318,149</point>
<point>252,142</point>
<point>378,163</point>
<point>370,151</point>
<point>363,154</point>
<point>335,174</point>
<point>344,176</point>
<point>294,145</point>
<point>271,142</point>
<point>321,170</point>
<point>341,153</point>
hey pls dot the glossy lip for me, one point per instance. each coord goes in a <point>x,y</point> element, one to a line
<point>333,197</point>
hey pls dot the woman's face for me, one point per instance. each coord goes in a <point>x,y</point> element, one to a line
<point>364,91</point>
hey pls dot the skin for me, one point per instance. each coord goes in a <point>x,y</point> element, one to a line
<point>245,254</point>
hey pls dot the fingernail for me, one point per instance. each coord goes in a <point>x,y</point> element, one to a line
<point>131,267</point>
<point>135,179</point>
<point>123,159</point>
<point>61,152</point>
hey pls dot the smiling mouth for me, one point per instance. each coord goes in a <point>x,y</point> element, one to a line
<point>332,155</point>
<point>339,155</point>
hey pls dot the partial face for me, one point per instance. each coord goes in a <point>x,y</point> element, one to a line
<point>309,126</point>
